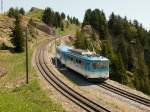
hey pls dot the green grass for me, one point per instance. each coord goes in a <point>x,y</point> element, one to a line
<point>70,29</point>
<point>14,65</point>
<point>15,95</point>
<point>27,98</point>
<point>36,14</point>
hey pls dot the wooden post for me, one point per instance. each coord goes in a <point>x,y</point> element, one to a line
<point>55,53</point>
<point>27,81</point>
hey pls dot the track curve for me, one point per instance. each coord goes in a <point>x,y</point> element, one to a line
<point>60,86</point>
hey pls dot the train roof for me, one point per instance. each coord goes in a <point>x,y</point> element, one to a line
<point>87,55</point>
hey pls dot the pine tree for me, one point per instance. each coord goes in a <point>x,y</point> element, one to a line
<point>47,16</point>
<point>17,35</point>
<point>87,17</point>
<point>57,21</point>
<point>68,18</point>
<point>122,49</point>
<point>63,16</point>
<point>118,70</point>
<point>53,19</point>
<point>11,12</point>
<point>21,11</point>
<point>97,20</point>
<point>80,41</point>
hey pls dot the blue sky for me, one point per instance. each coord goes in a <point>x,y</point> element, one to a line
<point>133,9</point>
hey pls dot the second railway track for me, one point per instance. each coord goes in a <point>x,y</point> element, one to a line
<point>126,94</point>
<point>73,95</point>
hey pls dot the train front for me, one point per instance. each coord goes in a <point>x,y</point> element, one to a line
<point>98,68</point>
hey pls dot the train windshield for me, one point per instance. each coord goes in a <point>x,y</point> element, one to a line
<point>100,65</point>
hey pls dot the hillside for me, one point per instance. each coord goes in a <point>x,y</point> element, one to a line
<point>126,43</point>
<point>15,95</point>
<point>35,13</point>
<point>6,25</point>
<point>13,90</point>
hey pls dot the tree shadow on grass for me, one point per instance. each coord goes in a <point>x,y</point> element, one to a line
<point>10,49</point>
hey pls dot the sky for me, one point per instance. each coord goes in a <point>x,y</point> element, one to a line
<point>133,9</point>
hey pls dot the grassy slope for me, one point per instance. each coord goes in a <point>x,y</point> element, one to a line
<point>27,98</point>
<point>35,14</point>
<point>70,29</point>
<point>15,95</point>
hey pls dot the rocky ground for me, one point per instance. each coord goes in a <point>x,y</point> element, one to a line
<point>2,72</point>
<point>5,29</point>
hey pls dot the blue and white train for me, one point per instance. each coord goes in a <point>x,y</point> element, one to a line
<point>85,63</point>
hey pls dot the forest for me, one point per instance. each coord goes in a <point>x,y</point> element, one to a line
<point>56,19</point>
<point>125,42</point>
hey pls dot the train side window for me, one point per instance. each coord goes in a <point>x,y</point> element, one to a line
<point>74,60</point>
<point>82,63</point>
<point>79,61</point>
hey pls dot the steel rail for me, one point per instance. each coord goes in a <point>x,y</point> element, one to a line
<point>79,99</point>
<point>126,94</point>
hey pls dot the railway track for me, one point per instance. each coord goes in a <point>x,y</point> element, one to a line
<point>50,76</point>
<point>126,94</point>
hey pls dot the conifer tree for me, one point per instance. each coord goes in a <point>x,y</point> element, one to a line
<point>97,20</point>
<point>11,12</point>
<point>68,18</point>
<point>53,19</point>
<point>87,17</point>
<point>47,16</point>
<point>63,16</point>
<point>17,35</point>
<point>22,11</point>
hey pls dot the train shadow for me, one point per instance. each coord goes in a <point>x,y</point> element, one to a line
<point>74,76</point>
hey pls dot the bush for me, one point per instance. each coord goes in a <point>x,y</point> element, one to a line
<point>3,46</point>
